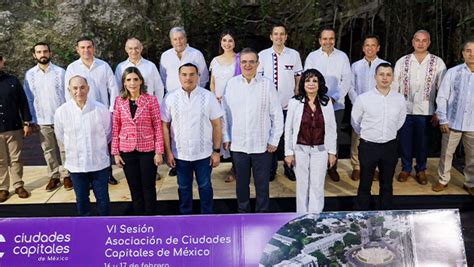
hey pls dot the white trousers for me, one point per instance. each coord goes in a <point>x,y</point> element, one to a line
<point>310,170</point>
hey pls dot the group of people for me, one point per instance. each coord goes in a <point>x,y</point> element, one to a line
<point>261,108</point>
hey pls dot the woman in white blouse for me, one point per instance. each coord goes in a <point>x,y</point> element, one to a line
<point>310,140</point>
<point>224,67</point>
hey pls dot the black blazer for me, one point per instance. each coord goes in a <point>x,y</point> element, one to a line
<point>14,108</point>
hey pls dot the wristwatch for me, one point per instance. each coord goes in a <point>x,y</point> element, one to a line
<point>26,123</point>
<point>217,150</point>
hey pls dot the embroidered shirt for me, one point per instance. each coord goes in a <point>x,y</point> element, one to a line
<point>363,77</point>
<point>418,82</point>
<point>170,63</point>
<point>336,70</point>
<point>45,91</point>
<point>222,73</point>
<point>190,122</point>
<point>455,99</point>
<point>281,69</point>
<point>149,71</point>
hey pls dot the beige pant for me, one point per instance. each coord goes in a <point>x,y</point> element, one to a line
<point>50,146</point>
<point>11,143</point>
<point>449,143</point>
<point>355,140</point>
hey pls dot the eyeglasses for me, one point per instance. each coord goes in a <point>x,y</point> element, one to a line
<point>244,62</point>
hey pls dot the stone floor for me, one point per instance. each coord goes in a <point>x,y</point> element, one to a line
<point>35,181</point>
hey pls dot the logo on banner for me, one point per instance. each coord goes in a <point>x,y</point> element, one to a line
<point>2,240</point>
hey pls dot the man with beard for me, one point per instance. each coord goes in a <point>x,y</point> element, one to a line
<point>44,87</point>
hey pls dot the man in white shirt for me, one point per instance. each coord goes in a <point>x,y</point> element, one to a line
<point>363,80</point>
<point>334,65</point>
<point>84,127</point>
<point>148,69</point>
<point>173,58</point>
<point>455,102</point>
<point>418,76</point>
<point>99,75</point>
<point>178,55</point>
<point>192,134</point>
<point>376,116</point>
<point>283,66</point>
<point>44,87</point>
<point>254,125</point>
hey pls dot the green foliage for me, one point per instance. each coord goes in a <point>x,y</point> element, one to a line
<point>322,260</point>
<point>351,239</point>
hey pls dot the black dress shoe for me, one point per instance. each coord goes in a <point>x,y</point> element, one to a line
<point>112,180</point>
<point>172,172</point>
<point>272,176</point>
<point>334,175</point>
<point>290,174</point>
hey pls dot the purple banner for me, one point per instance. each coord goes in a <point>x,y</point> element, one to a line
<point>387,238</point>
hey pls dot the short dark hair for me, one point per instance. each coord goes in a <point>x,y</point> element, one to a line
<point>383,65</point>
<point>276,25</point>
<point>189,64</point>
<point>40,43</point>
<point>248,50</point>
<point>85,38</point>
<point>327,28</point>
<point>466,42</point>
<point>372,36</point>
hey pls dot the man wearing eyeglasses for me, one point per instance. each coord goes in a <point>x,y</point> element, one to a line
<point>254,124</point>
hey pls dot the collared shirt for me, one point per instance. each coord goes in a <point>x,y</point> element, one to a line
<point>363,77</point>
<point>336,70</point>
<point>85,134</point>
<point>170,63</point>
<point>455,99</point>
<point>45,92</point>
<point>190,122</point>
<point>222,73</point>
<point>13,103</point>
<point>377,118</point>
<point>253,114</point>
<point>154,85</point>
<point>281,69</point>
<point>101,80</point>
<point>418,82</point>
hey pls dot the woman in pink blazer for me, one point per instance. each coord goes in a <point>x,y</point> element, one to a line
<point>137,139</point>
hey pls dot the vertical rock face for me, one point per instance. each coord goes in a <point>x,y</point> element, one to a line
<point>111,22</point>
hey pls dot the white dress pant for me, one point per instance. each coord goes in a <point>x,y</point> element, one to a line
<point>449,143</point>
<point>310,170</point>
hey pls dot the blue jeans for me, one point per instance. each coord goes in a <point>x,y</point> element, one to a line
<point>414,131</point>
<point>100,186</point>
<point>202,169</point>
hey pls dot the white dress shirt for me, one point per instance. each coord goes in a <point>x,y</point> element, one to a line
<point>253,114</point>
<point>45,91</point>
<point>455,99</point>
<point>101,80</point>
<point>149,71</point>
<point>85,134</point>
<point>170,63</point>
<point>336,70</point>
<point>281,69</point>
<point>418,82</point>
<point>363,77</point>
<point>222,73</point>
<point>190,119</point>
<point>377,118</point>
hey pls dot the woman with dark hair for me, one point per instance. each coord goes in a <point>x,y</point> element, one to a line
<point>310,140</point>
<point>137,139</point>
<point>224,67</point>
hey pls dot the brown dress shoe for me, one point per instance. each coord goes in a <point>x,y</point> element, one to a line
<point>421,178</point>
<point>376,175</point>
<point>4,195</point>
<point>403,176</point>
<point>53,184</point>
<point>22,193</point>
<point>67,183</point>
<point>334,175</point>
<point>355,175</point>
<point>470,190</point>
<point>438,187</point>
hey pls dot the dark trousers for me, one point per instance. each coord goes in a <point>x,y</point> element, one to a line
<point>260,166</point>
<point>100,186</point>
<point>280,153</point>
<point>202,169</point>
<point>140,171</point>
<point>339,114</point>
<point>371,156</point>
<point>415,131</point>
